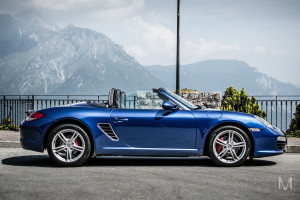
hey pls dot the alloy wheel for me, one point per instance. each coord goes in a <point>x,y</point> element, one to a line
<point>68,145</point>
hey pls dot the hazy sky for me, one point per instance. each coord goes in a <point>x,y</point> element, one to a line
<point>263,33</point>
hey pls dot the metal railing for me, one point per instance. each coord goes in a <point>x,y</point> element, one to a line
<point>15,106</point>
<point>279,109</point>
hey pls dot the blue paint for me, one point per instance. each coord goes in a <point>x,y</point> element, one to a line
<point>173,132</point>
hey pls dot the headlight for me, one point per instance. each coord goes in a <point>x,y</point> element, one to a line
<point>263,121</point>
<point>281,139</point>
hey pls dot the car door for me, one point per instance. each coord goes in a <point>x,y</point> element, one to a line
<point>146,128</point>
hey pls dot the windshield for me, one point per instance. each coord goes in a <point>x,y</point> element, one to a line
<point>180,99</point>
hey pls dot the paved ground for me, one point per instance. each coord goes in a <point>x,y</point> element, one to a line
<point>29,175</point>
<point>10,136</point>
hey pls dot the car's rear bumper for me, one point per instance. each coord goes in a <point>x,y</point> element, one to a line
<point>32,134</point>
<point>31,145</point>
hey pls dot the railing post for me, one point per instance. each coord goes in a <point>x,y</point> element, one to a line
<point>296,116</point>
<point>32,102</point>
<point>267,110</point>
<point>286,111</point>
<point>4,99</point>
<point>281,115</point>
<point>20,110</point>
<point>276,112</point>
<point>272,111</point>
<point>291,114</point>
<point>134,102</point>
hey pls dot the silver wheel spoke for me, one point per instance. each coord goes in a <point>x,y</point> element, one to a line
<point>239,144</point>
<point>230,137</point>
<point>233,155</point>
<point>62,138</point>
<point>77,148</point>
<point>222,153</point>
<point>74,137</point>
<point>220,142</point>
<point>60,148</point>
<point>69,155</point>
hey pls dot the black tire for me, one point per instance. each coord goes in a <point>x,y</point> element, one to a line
<point>68,145</point>
<point>229,146</point>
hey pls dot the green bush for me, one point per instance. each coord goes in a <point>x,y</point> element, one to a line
<point>293,133</point>
<point>294,129</point>
<point>233,100</point>
<point>7,121</point>
<point>7,125</point>
<point>188,90</point>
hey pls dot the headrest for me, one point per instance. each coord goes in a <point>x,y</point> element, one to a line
<point>111,95</point>
<point>122,100</point>
<point>117,94</point>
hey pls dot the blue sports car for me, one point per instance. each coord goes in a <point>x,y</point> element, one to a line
<point>148,123</point>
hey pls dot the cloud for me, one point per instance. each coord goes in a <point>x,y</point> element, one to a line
<point>135,50</point>
<point>155,43</point>
<point>260,50</point>
<point>100,8</point>
<point>201,47</point>
<point>277,52</point>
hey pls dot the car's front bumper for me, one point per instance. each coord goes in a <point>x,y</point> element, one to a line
<point>268,142</point>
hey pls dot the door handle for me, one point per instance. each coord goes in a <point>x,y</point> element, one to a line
<point>120,119</point>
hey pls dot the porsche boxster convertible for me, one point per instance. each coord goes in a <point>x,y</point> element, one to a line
<point>148,123</point>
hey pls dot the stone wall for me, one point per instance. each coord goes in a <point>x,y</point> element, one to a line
<point>203,99</point>
<point>150,100</point>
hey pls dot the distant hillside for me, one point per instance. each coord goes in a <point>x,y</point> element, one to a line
<point>69,61</point>
<point>217,75</point>
<point>37,57</point>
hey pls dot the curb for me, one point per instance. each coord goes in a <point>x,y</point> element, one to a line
<point>10,144</point>
<point>292,149</point>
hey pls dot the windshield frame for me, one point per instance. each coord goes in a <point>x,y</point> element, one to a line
<point>179,99</point>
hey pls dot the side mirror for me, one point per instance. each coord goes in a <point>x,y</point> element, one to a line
<point>167,105</point>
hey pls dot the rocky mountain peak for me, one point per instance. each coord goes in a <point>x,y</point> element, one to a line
<point>73,60</point>
<point>31,21</point>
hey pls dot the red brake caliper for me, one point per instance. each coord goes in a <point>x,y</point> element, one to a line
<point>219,147</point>
<point>77,142</point>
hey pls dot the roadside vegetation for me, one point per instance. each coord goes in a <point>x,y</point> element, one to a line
<point>294,129</point>
<point>188,90</point>
<point>7,124</point>
<point>233,100</point>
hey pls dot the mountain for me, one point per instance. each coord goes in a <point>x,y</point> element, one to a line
<point>297,85</point>
<point>11,38</point>
<point>32,21</point>
<point>38,57</point>
<point>217,75</point>
<point>69,61</point>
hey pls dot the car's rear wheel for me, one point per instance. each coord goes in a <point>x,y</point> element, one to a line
<point>229,146</point>
<point>68,145</point>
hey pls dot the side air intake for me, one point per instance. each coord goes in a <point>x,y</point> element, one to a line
<point>107,129</point>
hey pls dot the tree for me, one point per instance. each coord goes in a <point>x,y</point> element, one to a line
<point>294,129</point>
<point>239,101</point>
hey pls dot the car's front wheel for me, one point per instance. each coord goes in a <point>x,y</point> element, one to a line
<point>229,146</point>
<point>68,145</point>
